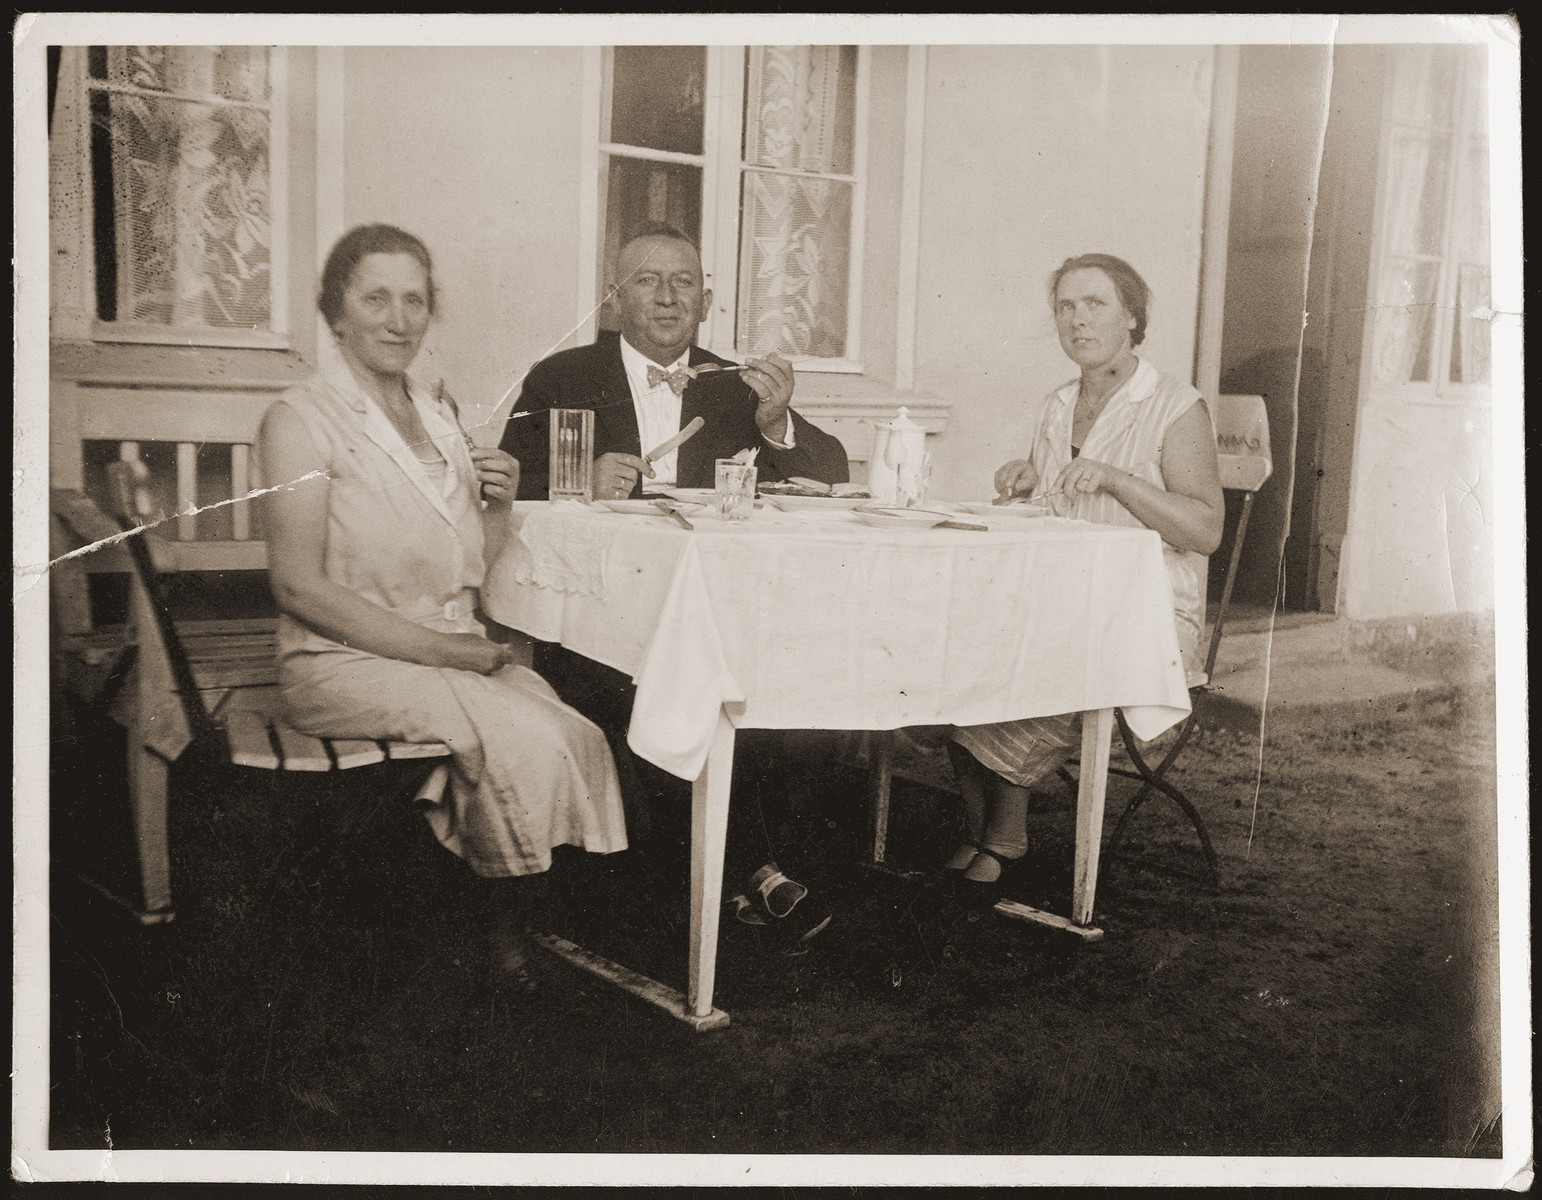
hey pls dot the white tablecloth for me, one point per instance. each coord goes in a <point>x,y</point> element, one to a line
<point>817,621</point>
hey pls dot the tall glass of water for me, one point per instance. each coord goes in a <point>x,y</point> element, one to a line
<point>571,455</point>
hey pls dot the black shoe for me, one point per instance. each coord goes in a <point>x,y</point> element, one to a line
<point>977,893</point>
<point>958,872</point>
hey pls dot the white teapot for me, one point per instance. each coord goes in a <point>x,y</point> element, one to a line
<point>898,446</point>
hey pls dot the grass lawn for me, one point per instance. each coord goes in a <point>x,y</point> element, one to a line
<point>320,988</point>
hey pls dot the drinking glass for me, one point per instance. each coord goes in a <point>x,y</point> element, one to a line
<point>735,488</point>
<point>572,455</point>
<point>913,482</point>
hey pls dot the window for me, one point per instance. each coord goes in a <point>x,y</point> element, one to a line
<point>179,230</point>
<point>756,152</point>
<point>1432,285</point>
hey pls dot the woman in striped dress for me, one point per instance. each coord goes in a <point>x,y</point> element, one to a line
<point>1122,444</point>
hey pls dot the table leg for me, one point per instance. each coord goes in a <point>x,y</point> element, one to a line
<point>881,774</point>
<point>709,838</point>
<point>1097,729</point>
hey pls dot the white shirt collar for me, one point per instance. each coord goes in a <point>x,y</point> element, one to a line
<point>637,363</point>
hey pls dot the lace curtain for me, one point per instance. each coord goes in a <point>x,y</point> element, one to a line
<point>1430,224</point>
<point>188,129</point>
<point>1470,335</point>
<point>1418,161</point>
<point>796,237</point>
<point>1406,299</point>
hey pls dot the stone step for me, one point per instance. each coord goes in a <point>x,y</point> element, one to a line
<point>1312,693</point>
<point>1301,645</point>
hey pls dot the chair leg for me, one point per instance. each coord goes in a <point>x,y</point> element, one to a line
<point>1152,778</point>
<point>148,776</point>
<point>1130,809</point>
<point>1182,801</point>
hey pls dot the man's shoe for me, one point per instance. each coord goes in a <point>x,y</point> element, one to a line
<point>773,893</point>
<point>774,900</point>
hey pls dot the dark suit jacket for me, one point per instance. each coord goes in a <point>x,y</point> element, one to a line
<point>595,377</point>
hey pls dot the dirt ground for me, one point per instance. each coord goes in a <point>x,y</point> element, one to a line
<point>1336,996</point>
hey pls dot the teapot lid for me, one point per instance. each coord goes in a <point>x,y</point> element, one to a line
<point>901,421</point>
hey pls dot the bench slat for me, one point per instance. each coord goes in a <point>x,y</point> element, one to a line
<point>351,753</point>
<point>99,643</point>
<point>260,700</point>
<point>231,651</point>
<point>240,484</point>
<point>405,750</point>
<point>198,641</point>
<point>241,625</point>
<point>187,491</point>
<point>249,742</point>
<point>301,752</point>
<point>215,555</point>
<point>250,673</point>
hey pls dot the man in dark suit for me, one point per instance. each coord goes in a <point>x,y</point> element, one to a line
<point>642,393</point>
<point>639,383</point>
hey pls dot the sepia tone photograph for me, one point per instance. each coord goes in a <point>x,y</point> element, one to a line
<point>769,600</point>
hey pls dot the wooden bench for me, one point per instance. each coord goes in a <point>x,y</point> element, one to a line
<point>176,684</point>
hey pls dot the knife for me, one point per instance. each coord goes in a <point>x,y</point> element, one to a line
<point>962,525</point>
<point>678,440</point>
<point>664,506</point>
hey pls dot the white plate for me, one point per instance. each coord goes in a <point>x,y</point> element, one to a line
<point>646,507</point>
<point>703,498</point>
<point>1020,509</point>
<point>901,518</point>
<point>815,503</point>
<point>693,495</point>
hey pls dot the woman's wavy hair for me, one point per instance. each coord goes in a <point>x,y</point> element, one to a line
<point>352,248</point>
<point>1132,289</point>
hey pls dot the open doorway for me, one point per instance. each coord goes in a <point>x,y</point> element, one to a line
<point>1282,94</point>
<point>1299,259</point>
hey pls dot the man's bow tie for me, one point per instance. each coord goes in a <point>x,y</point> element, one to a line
<point>676,379</point>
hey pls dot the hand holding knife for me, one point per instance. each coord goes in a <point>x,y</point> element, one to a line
<point>674,443</point>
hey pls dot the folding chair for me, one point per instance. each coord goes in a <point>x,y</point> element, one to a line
<point>1242,444</point>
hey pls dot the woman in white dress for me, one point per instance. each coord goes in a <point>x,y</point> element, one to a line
<point>1122,444</point>
<point>376,550</point>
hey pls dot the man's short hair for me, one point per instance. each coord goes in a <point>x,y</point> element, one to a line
<point>658,229</point>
